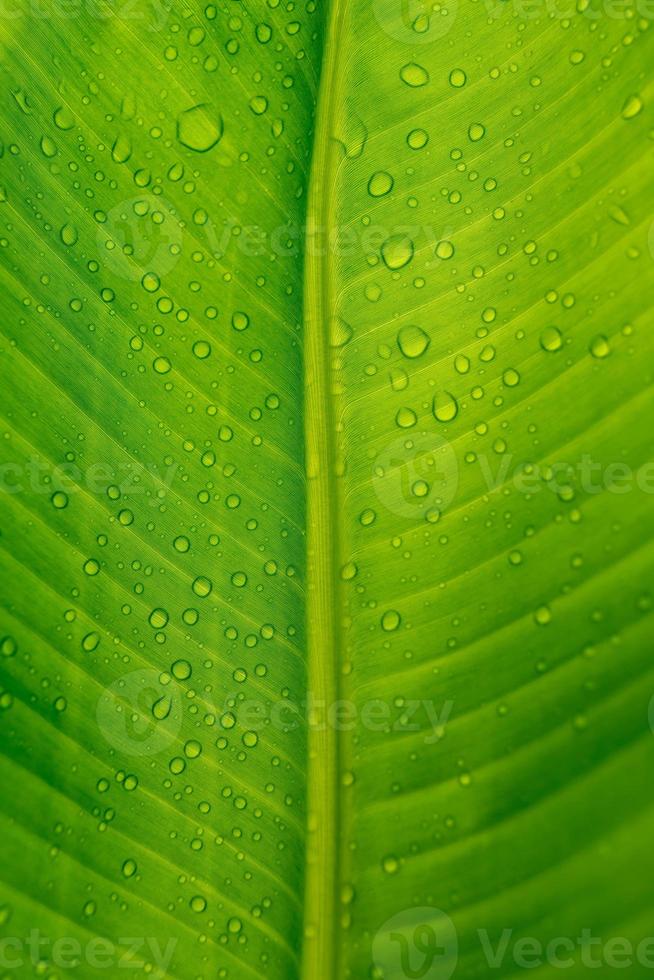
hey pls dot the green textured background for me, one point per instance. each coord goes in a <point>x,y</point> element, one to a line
<point>326,342</point>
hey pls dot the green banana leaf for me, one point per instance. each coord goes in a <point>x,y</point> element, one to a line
<point>327,353</point>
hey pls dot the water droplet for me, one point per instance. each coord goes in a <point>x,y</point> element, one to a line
<point>397,251</point>
<point>405,418</point>
<point>445,407</point>
<point>390,865</point>
<point>162,707</point>
<point>199,128</point>
<point>412,341</point>
<point>240,321</point>
<point>161,365</point>
<point>150,282</point>
<point>181,670</point>
<point>476,132</point>
<point>380,184</point>
<point>202,586</point>
<point>632,106</point>
<point>90,642</point>
<point>158,619</point>
<point>599,347</point>
<point>258,104</point>
<point>390,620</point>
<point>68,234</point>
<point>458,78</point>
<point>417,138</point>
<point>340,332</point>
<point>63,118</point>
<point>192,749</point>
<point>414,75</point>
<point>445,250</point>
<point>551,339</point>
<point>543,615</point>
<point>121,150</point>
<point>8,646</point>
<point>202,349</point>
<point>129,868</point>
<point>48,147</point>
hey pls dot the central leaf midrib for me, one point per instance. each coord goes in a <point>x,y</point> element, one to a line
<point>323,871</point>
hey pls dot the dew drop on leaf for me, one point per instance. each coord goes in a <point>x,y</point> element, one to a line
<point>445,407</point>
<point>413,341</point>
<point>161,365</point>
<point>445,250</point>
<point>414,75</point>
<point>158,618</point>
<point>63,118</point>
<point>91,642</point>
<point>199,128</point>
<point>390,620</point>
<point>202,349</point>
<point>551,339</point>
<point>68,234</point>
<point>405,418</point>
<point>397,251</point>
<point>543,616</point>
<point>417,139</point>
<point>633,105</point>
<point>599,347</point>
<point>129,868</point>
<point>181,670</point>
<point>380,184</point>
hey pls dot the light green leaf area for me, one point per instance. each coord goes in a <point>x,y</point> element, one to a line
<point>326,486</point>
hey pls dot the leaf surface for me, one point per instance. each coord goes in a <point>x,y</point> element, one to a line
<point>326,486</point>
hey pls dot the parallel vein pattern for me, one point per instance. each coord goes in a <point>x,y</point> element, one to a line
<point>153,520</point>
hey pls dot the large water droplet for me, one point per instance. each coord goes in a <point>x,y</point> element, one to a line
<point>199,128</point>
